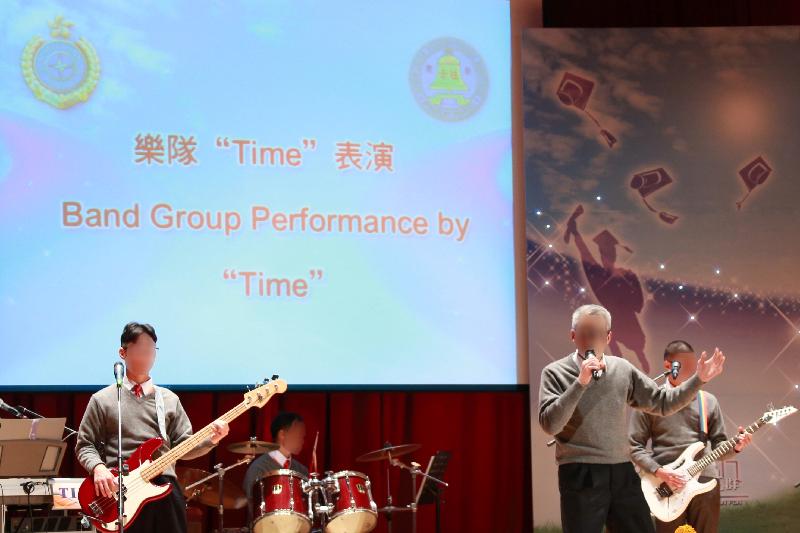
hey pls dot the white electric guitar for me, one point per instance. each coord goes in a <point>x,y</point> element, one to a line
<point>666,503</point>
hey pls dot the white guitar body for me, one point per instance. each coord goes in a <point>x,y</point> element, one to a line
<point>669,504</point>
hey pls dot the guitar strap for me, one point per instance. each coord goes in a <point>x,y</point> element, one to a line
<point>161,415</point>
<point>702,411</point>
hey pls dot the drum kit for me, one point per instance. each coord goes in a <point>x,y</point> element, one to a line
<point>286,501</point>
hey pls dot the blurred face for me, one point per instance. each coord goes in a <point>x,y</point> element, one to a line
<point>139,356</point>
<point>591,333</point>
<point>688,361</point>
<point>292,439</point>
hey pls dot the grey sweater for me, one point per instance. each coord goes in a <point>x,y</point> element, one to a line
<point>590,422</point>
<point>670,435</point>
<point>97,435</point>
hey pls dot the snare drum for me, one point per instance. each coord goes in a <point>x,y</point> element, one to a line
<point>284,504</point>
<point>354,510</point>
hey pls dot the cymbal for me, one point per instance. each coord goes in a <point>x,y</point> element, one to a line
<point>383,453</point>
<point>252,447</point>
<point>207,492</point>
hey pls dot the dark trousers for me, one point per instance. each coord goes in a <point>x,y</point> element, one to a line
<point>167,515</point>
<point>594,496</point>
<point>702,513</point>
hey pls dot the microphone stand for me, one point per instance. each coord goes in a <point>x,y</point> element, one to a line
<point>415,471</point>
<point>122,468</point>
<point>662,375</point>
<point>219,472</point>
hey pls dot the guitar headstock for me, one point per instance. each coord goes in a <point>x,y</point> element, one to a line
<point>774,415</point>
<point>259,396</point>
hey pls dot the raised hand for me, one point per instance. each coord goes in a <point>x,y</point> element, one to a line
<point>710,367</point>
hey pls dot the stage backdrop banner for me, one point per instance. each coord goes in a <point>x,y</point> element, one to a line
<point>317,189</point>
<point>661,180</point>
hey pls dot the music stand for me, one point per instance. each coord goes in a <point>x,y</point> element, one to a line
<point>31,447</point>
<point>429,490</point>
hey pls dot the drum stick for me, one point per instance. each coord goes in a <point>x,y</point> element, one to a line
<point>314,454</point>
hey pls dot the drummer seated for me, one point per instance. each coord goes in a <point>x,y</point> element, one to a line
<point>289,433</point>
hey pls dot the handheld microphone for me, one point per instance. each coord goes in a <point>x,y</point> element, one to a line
<point>676,368</point>
<point>119,373</point>
<point>11,410</point>
<point>595,373</point>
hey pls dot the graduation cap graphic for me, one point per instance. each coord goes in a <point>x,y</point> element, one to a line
<point>575,91</point>
<point>606,240</point>
<point>647,183</point>
<point>753,174</point>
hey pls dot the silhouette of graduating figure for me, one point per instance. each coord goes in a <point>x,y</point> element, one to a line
<point>617,289</point>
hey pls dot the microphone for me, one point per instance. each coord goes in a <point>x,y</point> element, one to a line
<point>11,410</point>
<point>119,373</point>
<point>595,373</point>
<point>676,368</point>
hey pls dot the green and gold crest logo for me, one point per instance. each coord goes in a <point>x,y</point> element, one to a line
<point>449,79</point>
<point>60,71</point>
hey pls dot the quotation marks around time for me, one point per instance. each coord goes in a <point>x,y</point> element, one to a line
<point>257,283</point>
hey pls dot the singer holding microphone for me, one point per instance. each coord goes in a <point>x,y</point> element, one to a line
<point>582,402</point>
<point>147,412</point>
<point>701,420</point>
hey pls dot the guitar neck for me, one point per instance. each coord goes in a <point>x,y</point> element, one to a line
<point>172,456</point>
<point>722,449</point>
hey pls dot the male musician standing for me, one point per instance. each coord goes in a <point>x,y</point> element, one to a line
<point>701,420</point>
<point>582,402</point>
<point>147,412</point>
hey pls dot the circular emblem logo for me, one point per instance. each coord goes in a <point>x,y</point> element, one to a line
<point>448,79</point>
<point>60,72</point>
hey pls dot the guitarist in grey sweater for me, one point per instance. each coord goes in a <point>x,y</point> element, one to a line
<point>582,402</point>
<point>97,443</point>
<point>670,435</point>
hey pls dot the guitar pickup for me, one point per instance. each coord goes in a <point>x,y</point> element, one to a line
<point>664,491</point>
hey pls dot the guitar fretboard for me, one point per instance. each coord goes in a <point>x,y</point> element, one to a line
<point>722,449</point>
<point>172,456</point>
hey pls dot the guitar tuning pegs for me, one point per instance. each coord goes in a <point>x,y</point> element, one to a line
<point>274,377</point>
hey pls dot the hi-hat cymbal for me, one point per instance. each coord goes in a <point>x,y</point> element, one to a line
<point>386,451</point>
<point>207,492</point>
<point>252,447</point>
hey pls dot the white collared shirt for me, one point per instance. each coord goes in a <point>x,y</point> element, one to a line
<point>147,387</point>
<point>279,457</point>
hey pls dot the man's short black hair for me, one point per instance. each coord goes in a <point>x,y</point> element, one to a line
<point>677,347</point>
<point>283,421</point>
<point>133,330</point>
